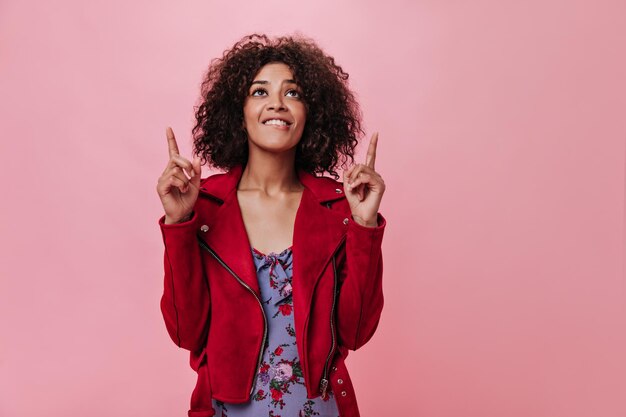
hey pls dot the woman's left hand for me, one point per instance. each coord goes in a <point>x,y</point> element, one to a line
<point>364,188</point>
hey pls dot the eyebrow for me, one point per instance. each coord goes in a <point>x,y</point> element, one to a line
<point>267,82</point>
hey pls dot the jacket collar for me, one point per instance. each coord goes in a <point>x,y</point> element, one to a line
<point>219,186</point>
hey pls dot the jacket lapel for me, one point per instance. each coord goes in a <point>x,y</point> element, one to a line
<point>318,231</point>
<point>227,234</point>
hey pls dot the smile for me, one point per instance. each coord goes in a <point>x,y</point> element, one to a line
<point>276,122</point>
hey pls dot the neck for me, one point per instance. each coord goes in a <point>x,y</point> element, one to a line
<point>270,172</point>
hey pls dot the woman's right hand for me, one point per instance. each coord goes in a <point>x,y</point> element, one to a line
<point>178,192</point>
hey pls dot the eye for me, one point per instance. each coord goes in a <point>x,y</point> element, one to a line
<point>293,93</point>
<point>258,92</point>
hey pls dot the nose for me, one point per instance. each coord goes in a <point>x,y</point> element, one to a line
<point>276,103</point>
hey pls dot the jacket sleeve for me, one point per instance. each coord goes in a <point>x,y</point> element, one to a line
<point>360,300</point>
<point>185,301</point>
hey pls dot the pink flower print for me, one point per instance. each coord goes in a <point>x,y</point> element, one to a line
<point>283,371</point>
<point>285,291</point>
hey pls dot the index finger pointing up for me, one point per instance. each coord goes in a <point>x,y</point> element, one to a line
<point>171,141</point>
<point>370,159</point>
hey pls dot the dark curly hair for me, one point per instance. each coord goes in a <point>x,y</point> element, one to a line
<point>333,123</point>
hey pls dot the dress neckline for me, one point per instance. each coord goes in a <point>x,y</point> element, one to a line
<point>283,252</point>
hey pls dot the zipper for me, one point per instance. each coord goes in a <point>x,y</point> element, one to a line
<point>324,380</point>
<point>207,248</point>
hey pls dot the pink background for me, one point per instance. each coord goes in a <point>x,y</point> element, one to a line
<point>502,144</point>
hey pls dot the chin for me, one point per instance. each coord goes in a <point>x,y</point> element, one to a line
<point>277,148</point>
<point>277,145</point>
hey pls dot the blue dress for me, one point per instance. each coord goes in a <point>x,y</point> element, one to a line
<point>279,389</point>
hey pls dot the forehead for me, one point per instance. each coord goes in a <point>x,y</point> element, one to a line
<point>274,71</point>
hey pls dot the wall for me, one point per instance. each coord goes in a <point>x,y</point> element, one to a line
<point>501,143</point>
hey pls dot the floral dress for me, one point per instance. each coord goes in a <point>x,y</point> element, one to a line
<point>279,389</point>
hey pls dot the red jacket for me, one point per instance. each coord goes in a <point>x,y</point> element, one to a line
<point>211,296</point>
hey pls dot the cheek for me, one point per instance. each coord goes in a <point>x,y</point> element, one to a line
<point>249,120</point>
<point>302,115</point>
<point>248,111</point>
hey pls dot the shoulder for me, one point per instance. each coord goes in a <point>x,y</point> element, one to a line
<point>220,184</point>
<point>213,178</point>
<point>322,187</point>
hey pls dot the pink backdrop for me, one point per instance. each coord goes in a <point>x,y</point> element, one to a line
<point>502,144</point>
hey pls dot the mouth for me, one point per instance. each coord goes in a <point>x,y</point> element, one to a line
<point>277,122</point>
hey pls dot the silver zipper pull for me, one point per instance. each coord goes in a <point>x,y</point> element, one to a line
<point>323,387</point>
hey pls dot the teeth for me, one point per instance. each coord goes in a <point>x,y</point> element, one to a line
<point>275,122</point>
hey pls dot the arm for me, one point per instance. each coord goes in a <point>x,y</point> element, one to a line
<point>360,300</point>
<point>185,301</point>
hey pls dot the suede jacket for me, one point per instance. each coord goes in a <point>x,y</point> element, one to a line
<point>211,299</point>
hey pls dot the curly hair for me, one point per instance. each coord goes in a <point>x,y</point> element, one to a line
<point>333,123</point>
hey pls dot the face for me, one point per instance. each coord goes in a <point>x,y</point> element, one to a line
<point>274,113</point>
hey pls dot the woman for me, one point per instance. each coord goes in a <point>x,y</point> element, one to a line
<point>272,272</point>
